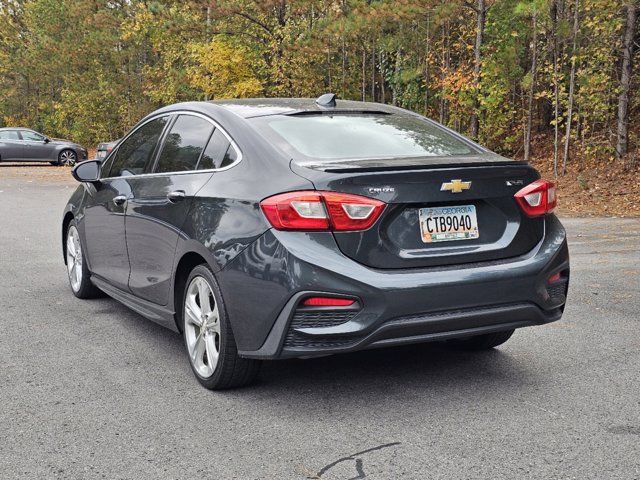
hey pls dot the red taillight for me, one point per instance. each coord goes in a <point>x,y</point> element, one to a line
<point>313,210</point>
<point>537,198</point>
<point>327,302</point>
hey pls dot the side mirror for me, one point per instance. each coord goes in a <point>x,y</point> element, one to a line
<point>88,171</point>
<point>46,140</point>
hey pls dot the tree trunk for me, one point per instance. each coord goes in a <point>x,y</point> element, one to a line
<point>373,71</point>
<point>446,63</point>
<point>572,84</point>
<point>396,77</point>
<point>556,100</point>
<point>344,68</point>
<point>383,90</point>
<point>426,70</point>
<point>364,73</point>
<point>534,66</point>
<point>622,144</point>
<point>481,12</point>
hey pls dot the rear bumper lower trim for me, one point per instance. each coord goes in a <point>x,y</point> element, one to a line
<point>411,329</point>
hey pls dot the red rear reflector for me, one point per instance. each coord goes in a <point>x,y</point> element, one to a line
<point>316,210</point>
<point>554,278</point>
<point>537,198</point>
<point>327,302</point>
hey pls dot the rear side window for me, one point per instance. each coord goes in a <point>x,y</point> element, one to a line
<point>215,152</point>
<point>184,144</point>
<point>135,153</point>
<point>356,136</point>
<point>9,135</point>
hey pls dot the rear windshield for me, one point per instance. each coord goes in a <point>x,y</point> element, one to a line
<point>358,136</point>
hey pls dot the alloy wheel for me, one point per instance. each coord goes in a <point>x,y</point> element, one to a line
<point>74,258</point>
<point>202,327</point>
<point>67,158</point>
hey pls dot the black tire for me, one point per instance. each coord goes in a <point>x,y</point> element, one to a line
<point>84,288</point>
<point>230,371</point>
<point>482,342</point>
<point>67,157</point>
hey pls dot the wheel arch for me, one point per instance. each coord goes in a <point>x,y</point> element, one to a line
<point>187,262</point>
<point>65,225</point>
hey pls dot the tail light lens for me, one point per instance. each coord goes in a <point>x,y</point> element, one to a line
<point>537,198</point>
<point>315,210</point>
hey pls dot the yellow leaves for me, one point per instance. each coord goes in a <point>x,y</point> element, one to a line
<point>221,70</point>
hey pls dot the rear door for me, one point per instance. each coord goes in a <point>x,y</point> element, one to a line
<point>160,203</point>
<point>11,147</point>
<point>106,202</point>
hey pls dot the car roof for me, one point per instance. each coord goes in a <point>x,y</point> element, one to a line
<point>259,107</point>
<point>22,129</point>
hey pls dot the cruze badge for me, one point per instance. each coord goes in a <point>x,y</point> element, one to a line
<point>455,186</point>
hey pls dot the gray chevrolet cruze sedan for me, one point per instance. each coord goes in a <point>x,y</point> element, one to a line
<point>277,228</point>
<point>25,145</point>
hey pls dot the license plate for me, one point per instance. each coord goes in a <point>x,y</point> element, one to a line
<point>444,224</point>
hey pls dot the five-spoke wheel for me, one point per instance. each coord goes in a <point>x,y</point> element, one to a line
<point>202,327</point>
<point>208,336</point>
<point>77,269</point>
<point>74,258</point>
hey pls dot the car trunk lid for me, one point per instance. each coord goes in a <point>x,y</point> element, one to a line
<point>396,240</point>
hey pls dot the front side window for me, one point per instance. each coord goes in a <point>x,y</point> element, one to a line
<point>184,144</point>
<point>134,155</point>
<point>338,137</point>
<point>32,136</point>
<point>9,135</point>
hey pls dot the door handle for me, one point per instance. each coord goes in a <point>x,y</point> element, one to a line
<point>120,200</point>
<point>176,196</point>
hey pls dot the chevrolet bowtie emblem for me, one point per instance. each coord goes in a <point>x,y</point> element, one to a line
<point>455,186</point>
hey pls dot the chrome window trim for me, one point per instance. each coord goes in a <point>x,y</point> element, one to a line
<point>215,124</point>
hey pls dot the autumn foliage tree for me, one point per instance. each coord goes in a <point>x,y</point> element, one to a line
<point>519,75</point>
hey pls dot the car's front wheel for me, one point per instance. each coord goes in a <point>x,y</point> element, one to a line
<point>77,269</point>
<point>210,343</point>
<point>67,157</point>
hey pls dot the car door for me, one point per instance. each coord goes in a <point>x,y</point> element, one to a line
<point>36,147</point>
<point>10,145</point>
<point>160,203</point>
<point>106,202</point>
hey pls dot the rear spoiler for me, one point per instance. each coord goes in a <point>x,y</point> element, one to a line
<point>356,166</point>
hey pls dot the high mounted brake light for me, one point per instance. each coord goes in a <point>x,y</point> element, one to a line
<point>537,198</point>
<point>326,211</point>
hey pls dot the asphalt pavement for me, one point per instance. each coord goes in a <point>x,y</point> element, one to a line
<point>89,389</point>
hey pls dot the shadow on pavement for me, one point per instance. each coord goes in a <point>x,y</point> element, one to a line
<point>362,379</point>
<point>26,165</point>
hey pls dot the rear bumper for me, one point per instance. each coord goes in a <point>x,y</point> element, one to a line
<point>395,306</point>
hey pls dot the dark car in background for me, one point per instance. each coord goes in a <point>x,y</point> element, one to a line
<point>267,229</point>
<point>105,148</point>
<point>25,145</point>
